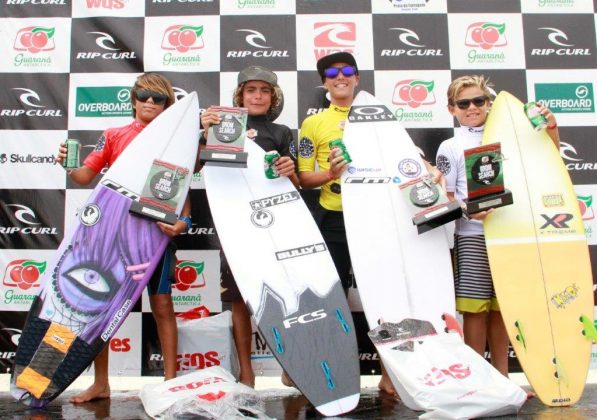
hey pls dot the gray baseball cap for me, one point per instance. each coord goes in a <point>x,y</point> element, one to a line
<point>257,73</point>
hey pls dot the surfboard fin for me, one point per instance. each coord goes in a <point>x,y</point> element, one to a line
<point>342,321</point>
<point>328,375</point>
<point>559,373</point>
<point>588,330</point>
<point>520,336</point>
<point>278,340</point>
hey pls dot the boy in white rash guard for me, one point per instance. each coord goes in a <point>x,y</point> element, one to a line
<point>469,102</point>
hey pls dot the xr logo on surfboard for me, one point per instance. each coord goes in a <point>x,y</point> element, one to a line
<point>559,221</point>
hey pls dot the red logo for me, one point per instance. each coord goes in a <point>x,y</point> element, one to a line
<point>210,396</point>
<point>333,37</point>
<point>120,345</point>
<point>198,384</point>
<point>194,361</point>
<point>183,38</point>
<point>189,275</point>
<point>23,273</point>
<point>35,39</point>
<point>413,93</point>
<point>486,35</point>
<point>105,4</point>
<point>439,376</point>
<point>586,207</point>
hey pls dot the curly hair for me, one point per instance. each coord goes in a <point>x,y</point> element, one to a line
<point>156,83</point>
<point>237,97</point>
<point>464,82</point>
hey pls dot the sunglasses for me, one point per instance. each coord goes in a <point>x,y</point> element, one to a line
<point>144,95</point>
<point>479,101</point>
<point>347,71</point>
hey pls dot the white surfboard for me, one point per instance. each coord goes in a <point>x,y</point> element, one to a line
<point>399,273</point>
<point>288,280</point>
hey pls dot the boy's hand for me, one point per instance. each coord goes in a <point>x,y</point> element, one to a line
<point>546,112</point>
<point>59,159</point>
<point>337,163</point>
<point>481,215</point>
<point>285,166</point>
<point>209,117</point>
<point>173,230</point>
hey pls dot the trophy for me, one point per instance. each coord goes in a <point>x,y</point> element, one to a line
<point>161,192</point>
<point>226,141</point>
<point>485,179</point>
<point>429,204</point>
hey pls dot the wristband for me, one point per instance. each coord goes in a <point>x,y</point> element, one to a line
<point>187,220</point>
<point>551,127</point>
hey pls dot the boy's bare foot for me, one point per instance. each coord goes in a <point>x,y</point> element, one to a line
<point>385,385</point>
<point>286,380</point>
<point>530,395</point>
<point>94,392</point>
<point>248,380</point>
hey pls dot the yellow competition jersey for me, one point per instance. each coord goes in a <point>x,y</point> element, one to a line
<point>316,133</point>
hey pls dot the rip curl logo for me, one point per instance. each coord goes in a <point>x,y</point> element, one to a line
<point>102,39</point>
<point>24,214</point>
<point>410,168</point>
<point>335,34</point>
<point>254,37</point>
<point>557,36</point>
<point>406,36</point>
<point>35,39</point>
<point>306,148</point>
<point>26,97</point>
<point>262,218</point>
<point>90,215</point>
<point>183,38</point>
<point>414,93</point>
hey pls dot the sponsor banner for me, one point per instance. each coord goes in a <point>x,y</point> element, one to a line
<point>28,8</point>
<point>262,359</point>
<point>11,327</point>
<point>411,42</point>
<point>258,7</point>
<point>22,272</point>
<point>196,282</point>
<point>556,7</point>
<point>185,83</point>
<point>513,81</point>
<point>486,41</point>
<point>74,201</point>
<point>428,141</point>
<point>117,8</point>
<point>258,40</point>
<point>570,95</point>
<point>485,6</point>
<point>416,98</point>
<point>35,45</point>
<point>332,6</point>
<point>554,41</point>
<point>579,154</point>
<point>587,202</point>
<point>182,7</point>
<point>322,35</point>
<point>125,349</point>
<point>202,234</point>
<point>107,45</point>
<point>97,102</point>
<point>182,43</point>
<point>27,159</point>
<point>33,103</point>
<point>31,219</point>
<point>409,6</point>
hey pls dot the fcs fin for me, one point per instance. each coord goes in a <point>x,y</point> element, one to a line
<point>520,336</point>
<point>588,328</point>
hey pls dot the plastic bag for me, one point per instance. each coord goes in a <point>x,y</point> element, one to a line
<point>440,374</point>
<point>205,341</point>
<point>211,393</point>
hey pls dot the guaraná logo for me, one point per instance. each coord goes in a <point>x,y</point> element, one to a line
<point>189,275</point>
<point>35,39</point>
<point>183,38</point>
<point>23,274</point>
<point>486,35</point>
<point>414,93</point>
<point>585,203</point>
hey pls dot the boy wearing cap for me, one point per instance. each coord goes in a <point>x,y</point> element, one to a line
<point>340,76</point>
<point>258,91</point>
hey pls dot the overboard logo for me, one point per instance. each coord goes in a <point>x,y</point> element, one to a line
<point>275,200</point>
<point>566,98</point>
<point>559,38</point>
<point>301,251</point>
<point>369,113</point>
<point>305,319</point>
<point>30,99</point>
<point>410,39</point>
<point>257,40</point>
<point>108,47</point>
<point>104,101</point>
<point>330,37</point>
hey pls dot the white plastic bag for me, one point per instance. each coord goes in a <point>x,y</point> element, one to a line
<point>205,341</point>
<point>210,393</point>
<point>446,378</point>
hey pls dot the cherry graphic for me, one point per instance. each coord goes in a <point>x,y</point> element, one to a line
<point>490,35</point>
<point>477,35</point>
<point>187,37</point>
<point>583,207</point>
<point>39,39</point>
<point>186,275</point>
<point>173,38</point>
<point>26,39</point>
<point>418,93</point>
<point>182,287</point>
<point>30,274</point>
<point>404,93</point>
<point>15,273</point>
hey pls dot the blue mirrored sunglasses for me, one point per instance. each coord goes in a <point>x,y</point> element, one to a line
<point>347,71</point>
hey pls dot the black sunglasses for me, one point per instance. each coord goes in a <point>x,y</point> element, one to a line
<point>479,101</point>
<point>144,95</point>
<point>347,71</point>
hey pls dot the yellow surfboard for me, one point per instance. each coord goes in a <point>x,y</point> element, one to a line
<point>539,258</point>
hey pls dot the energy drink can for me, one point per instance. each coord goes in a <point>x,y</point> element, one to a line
<point>538,120</point>
<point>340,145</point>
<point>73,149</point>
<point>269,164</point>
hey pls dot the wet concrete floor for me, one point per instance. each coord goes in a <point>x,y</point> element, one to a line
<point>280,404</point>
